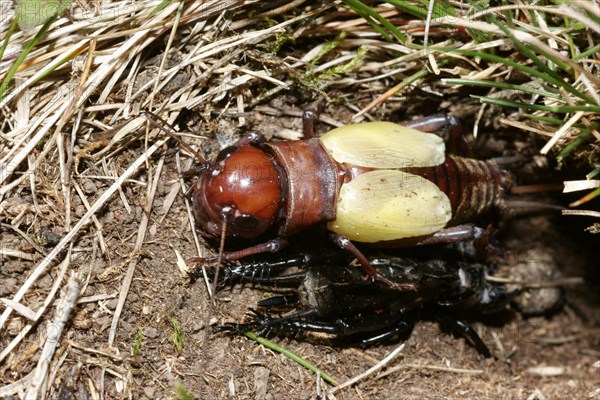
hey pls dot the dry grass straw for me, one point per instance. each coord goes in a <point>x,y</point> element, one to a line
<point>74,108</point>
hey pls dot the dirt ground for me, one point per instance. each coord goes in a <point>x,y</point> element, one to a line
<point>545,357</point>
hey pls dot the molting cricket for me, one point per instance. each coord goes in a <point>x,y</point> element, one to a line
<point>380,185</point>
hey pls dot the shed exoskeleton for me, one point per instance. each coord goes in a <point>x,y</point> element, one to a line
<point>329,295</point>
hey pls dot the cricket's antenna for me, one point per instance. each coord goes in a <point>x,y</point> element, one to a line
<point>155,119</point>
<point>520,207</point>
<point>221,249</point>
<point>212,304</point>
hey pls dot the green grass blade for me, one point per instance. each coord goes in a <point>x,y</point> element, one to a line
<point>439,10</point>
<point>573,145</point>
<point>371,16</point>
<point>163,4</point>
<point>292,356</point>
<point>29,47</point>
<point>554,109</point>
<point>593,194</point>
<point>524,50</point>
<point>365,13</point>
<point>502,86</point>
<point>593,173</point>
<point>494,58</point>
<point>588,52</point>
<point>15,66</point>
<point>558,121</point>
<point>543,118</point>
<point>523,68</point>
<point>11,30</point>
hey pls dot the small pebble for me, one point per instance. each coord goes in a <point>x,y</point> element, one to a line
<point>9,286</point>
<point>151,333</point>
<point>149,392</point>
<point>89,187</point>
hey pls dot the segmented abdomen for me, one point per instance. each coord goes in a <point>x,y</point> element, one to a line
<point>473,186</point>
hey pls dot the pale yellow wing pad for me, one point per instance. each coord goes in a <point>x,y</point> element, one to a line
<point>384,145</point>
<point>387,205</point>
